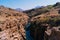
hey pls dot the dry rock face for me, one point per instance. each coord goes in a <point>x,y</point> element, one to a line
<point>12,24</point>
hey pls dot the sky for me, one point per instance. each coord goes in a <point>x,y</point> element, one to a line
<point>26,4</point>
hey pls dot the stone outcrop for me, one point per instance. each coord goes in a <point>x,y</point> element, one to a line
<point>12,24</point>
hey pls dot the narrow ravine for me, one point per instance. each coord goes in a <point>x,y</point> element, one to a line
<point>28,37</point>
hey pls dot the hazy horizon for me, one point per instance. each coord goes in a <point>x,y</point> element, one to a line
<point>26,4</point>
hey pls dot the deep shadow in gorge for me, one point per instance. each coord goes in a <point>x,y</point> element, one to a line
<point>37,31</point>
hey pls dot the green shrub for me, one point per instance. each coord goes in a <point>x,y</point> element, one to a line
<point>49,6</point>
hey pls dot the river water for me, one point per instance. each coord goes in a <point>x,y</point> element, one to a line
<point>28,37</point>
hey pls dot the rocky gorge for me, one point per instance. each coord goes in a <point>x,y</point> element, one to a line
<point>36,24</point>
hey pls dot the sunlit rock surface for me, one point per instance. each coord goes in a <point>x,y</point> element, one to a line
<point>12,24</point>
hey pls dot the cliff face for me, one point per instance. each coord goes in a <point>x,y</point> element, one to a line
<point>46,26</point>
<point>12,24</point>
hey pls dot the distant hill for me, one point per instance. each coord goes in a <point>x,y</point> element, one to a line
<point>41,10</point>
<point>19,9</point>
